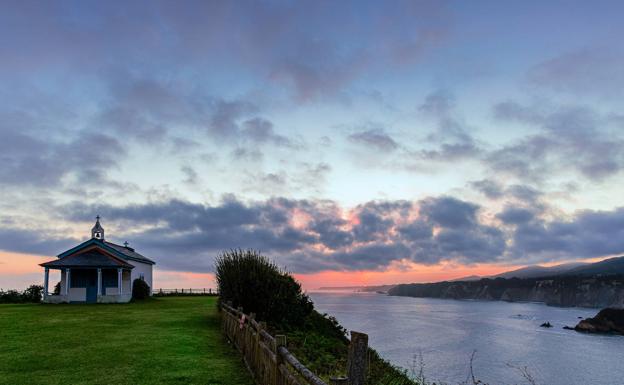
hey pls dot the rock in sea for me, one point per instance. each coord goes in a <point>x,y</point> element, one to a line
<point>609,320</point>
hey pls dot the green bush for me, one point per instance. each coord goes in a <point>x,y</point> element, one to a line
<point>252,281</point>
<point>140,289</point>
<point>34,294</point>
<point>10,296</point>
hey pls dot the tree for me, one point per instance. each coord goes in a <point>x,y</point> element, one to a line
<point>34,293</point>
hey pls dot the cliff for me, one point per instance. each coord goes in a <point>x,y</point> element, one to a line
<point>583,291</point>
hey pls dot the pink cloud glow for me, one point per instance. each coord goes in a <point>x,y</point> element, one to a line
<point>18,271</point>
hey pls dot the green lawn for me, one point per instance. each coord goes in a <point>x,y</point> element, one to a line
<point>173,340</point>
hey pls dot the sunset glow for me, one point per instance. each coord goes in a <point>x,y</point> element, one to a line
<point>452,141</point>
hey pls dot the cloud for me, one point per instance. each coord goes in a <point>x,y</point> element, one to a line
<point>260,131</point>
<point>513,111</point>
<point>148,110</point>
<point>491,189</point>
<point>449,212</point>
<point>522,194</point>
<point>570,138</point>
<point>30,160</point>
<point>451,138</point>
<point>308,62</point>
<point>587,234</point>
<point>184,235</point>
<point>246,154</point>
<point>225,115</point>
<point>33,241</point>
<point>595,70</point>
<point>440,105</point>
<point>310,176</point>
<point>315,235</point>
<point>376,139</point>
<point>191,176</point>
<point>515,215</point>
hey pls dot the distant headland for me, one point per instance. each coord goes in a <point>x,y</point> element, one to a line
<point>599,285</point>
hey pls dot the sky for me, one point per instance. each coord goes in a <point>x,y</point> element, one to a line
<point>352,142</point>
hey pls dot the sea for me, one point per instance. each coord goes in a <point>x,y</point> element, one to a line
<point>438,337</point>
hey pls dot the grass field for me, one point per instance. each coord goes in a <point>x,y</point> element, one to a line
<point>173,340</point>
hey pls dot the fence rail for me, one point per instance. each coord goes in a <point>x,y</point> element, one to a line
<point>266,356</point>
<point>202,291</point>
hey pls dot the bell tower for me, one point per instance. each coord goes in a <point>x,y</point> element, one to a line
<point>97,232</point>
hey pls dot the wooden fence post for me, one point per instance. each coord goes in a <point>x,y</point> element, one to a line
<point>252,342</point>
<point>258,351</point>
<point>357,359</point>
<point>280,340</point>
<point>240,331</point>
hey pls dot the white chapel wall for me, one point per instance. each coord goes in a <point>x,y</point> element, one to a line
<point>142,268</point>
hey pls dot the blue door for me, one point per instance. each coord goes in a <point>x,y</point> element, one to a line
<point>92,288</point>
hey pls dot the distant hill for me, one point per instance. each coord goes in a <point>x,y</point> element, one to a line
<point>536,271</point>
<point>350,288</point>
<point>466,279</point>
<point>606,267</point>
<point>380,288</point>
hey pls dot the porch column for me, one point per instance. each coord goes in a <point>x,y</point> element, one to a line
<point>119,284</point>
<point>67,280</point>
<point>45,281</point>
<point>99,289</point>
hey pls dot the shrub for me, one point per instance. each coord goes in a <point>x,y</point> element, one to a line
<point>34,293</point>
<point>252,281</point>
<point>140,289</point>
<point>10,296</point>
<point>57,288</point>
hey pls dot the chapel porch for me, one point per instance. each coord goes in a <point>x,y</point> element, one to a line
<point>89,277</point>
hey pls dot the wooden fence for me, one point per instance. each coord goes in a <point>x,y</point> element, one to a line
<point>204,291</point>
<point>269,360</point>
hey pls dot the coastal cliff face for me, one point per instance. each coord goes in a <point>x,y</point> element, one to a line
<point>601,291</point>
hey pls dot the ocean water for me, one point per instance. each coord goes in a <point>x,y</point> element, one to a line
<point>506,336</point>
